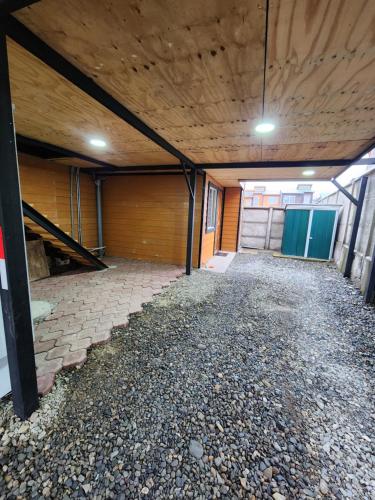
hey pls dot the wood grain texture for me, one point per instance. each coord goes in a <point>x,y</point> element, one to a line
<point>232,200</point>
<point>191,70</point>
<point>320,75</point>
<point>232,177</point>
<point>46,187</point>
<point>50,109</point>
<point>194,72</point>
<point>145,217</point>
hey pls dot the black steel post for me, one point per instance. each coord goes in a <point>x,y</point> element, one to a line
<point>99,215</point>
<point>190,233</point>
<point>370,288</point>
<point>15,296</point>
<point>357,218</point>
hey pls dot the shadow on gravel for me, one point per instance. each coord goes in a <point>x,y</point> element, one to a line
<point>242,385</point>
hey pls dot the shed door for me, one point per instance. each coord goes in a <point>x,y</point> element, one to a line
<point>322,225</point>
<point>295,232</point>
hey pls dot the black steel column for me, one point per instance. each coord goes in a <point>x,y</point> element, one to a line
<point>357,218</point>
<point>99,215</point>
<point>190,233</point>
<point>370,288</point>
<point>15,297</point>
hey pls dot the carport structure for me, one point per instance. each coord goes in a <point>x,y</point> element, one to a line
<point>174,90</point>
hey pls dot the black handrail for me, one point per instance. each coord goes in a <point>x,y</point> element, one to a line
<point>46,224</point>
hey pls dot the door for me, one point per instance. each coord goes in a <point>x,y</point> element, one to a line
<point>218,221</point>
<point>321,233</point>
<point>295,232</point>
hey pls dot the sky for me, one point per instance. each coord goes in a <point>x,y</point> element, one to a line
<point>321,188</point>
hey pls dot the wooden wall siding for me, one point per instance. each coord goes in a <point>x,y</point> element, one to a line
<point>88,212</point>
<point>200,83</point>
<point>46,186</point>
<point>208,239</point>
<point>49,108</point>
<point>232,200</point>
<point>145,217</point>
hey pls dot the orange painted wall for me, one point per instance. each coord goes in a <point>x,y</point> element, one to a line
<point>208,239</point>
<point>145,217</point>
<point>232,201</point>
<point>46,186</point>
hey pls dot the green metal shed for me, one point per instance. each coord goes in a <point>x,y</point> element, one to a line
<point>310,230</point>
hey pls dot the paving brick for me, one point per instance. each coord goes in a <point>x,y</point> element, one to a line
<point>58,352</point>
<point>44,346</point>
<point>76,358</point>
<point>50,336</point>
<point>45,383</point>
<point>88,305</point>
<point>101,338</point>
<point>49,366</point>
<point>67,339</point>
<point>84,343</point>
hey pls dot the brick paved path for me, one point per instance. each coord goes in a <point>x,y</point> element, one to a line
<point>87,306</point>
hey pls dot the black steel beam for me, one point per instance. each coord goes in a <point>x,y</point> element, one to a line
<point>275,164</point>
<point>46,224</point>
<point>357,218</point>
<point>364,152</point>
<point>191,213</point>
<point>345,192</point>
<point>45,150</point>
<point>29,41</point>
<point>370,288</point>
<point>14,290</point>
<point>9,6</point>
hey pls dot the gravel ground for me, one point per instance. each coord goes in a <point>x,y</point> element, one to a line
<point>253,384</point>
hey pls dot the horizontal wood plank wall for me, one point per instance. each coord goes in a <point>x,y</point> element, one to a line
<point>145,217</point>
<point>46,186</point>
<point>208,239</point>
<point>232,200</point>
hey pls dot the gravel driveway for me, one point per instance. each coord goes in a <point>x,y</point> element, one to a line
<point>253,384</point>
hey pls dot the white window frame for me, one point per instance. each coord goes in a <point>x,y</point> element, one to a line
<point>212,200</point>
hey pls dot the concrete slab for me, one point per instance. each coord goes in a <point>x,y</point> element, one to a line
<point>40,309</point>
<point>220,263</point>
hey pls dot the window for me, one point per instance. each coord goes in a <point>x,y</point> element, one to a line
<point>289,198</point>
<point>211,209</point>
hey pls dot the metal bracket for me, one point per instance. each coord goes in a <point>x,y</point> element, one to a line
<point>187,179</point>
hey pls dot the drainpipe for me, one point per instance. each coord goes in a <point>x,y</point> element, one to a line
<point>99,215</point>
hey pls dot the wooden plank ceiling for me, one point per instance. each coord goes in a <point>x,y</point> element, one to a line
<point>194,72</point>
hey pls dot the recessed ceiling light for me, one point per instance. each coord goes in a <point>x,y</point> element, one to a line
<point>99,143</point>
<point>308,172</point>
<point>264,127</point>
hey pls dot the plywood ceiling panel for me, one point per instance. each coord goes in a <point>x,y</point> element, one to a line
<point>193,71</point>
<point>320,75</point>
<point>52,110</point>
<point>231,177</point>
<point>180,66</point>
